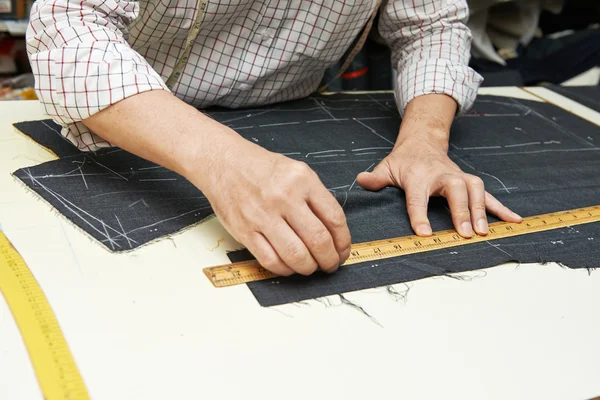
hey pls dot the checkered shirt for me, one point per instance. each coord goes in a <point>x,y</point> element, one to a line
<point>88,55</point>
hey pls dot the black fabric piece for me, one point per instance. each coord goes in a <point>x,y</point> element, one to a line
<point>534,157</point>
<point>558,60</point>
<point>576,14</point>
<point>543,61</point>
<point>495,74</point>
<point>47,133</point>
<point>588,96</point>
<point>121,200</point>
<point>561,246</point>
<point>503,78</point>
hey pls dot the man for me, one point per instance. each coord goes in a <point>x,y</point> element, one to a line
<point>101,67</point>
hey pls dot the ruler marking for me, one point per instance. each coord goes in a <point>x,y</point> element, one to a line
<point>49,353</point>
<point>248,271</point>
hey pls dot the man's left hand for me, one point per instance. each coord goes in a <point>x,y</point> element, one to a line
<point>424,170</point>
<point>420,165</point>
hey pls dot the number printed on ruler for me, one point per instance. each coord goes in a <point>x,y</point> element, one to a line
<point>248,271</point>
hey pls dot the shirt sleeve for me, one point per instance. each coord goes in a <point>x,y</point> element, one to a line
<point>430,48</point>
<point>82,62</point>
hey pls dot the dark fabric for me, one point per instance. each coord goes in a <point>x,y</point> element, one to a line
<point>119,199</point>
<point>534,157</point>
<point>576,14</point>
<point>544,60</point>
<point>570,247</point>
<point>589,96</point>
<point>495,74</point>
<point>47,133</point>
<point>558,60</point>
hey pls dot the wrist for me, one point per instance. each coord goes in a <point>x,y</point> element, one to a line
<point>423,136</point>
<point>427,120</point>
<point>202,153</point>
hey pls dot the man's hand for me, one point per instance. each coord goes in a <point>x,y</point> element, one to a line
<point>275,206</point>
<point>423,170</point>
<point>419,164</point>
<point>279,209</point>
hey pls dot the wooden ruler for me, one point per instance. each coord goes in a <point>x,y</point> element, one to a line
<point>249,271</point>
<point>52,361</point>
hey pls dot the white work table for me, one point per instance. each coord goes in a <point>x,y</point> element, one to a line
<point>149,325</point>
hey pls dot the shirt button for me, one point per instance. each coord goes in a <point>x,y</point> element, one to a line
<point>268,34</point>
<point>264,34</point>
<point>244,86</point>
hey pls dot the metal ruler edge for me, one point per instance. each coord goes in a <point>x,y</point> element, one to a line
<point>250,271</point>
<point>53,363</point>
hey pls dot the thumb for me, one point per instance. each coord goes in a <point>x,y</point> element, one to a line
<point>376,180</point>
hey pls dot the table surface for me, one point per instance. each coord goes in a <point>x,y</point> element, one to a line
<point>148,324</point>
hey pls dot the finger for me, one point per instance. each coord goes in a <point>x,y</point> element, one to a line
<point>455,191</point>
<point>266,255</point>
<point>326,208</point>
<point>495,207</point>
<point>417,198</point>
<point>316,237</point>
<point>376,180</point>
<point>289,247</point>
<point>476,192</point>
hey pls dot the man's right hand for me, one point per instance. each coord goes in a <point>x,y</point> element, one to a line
<point>275,206</point>
<point>279,209</point>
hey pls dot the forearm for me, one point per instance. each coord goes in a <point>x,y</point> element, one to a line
<point>428,118</point>
<point>277,207</point>
<point>82,62</point>
<point>163,129</point>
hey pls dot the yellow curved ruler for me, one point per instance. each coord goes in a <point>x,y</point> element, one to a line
<point>52,361</point>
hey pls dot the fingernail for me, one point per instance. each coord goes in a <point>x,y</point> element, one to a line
<point>467,229</point>
<point>517,215</point>
<point>424,230</point>
<point>482,226</point>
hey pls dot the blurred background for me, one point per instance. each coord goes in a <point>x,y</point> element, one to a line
<point>16,81</point>
<point>515,43</point>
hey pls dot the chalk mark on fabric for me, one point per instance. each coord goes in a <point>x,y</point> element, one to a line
<point>373,130</point>
<point>480,172</point>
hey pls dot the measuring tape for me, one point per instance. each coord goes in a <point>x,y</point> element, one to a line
<point>249,271</point>
<point>189,43</point>
<point>52,361</point>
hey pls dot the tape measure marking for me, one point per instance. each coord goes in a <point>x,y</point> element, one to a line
<point>52,361</point>
<point>189,43</point>
<point>249,271</point>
